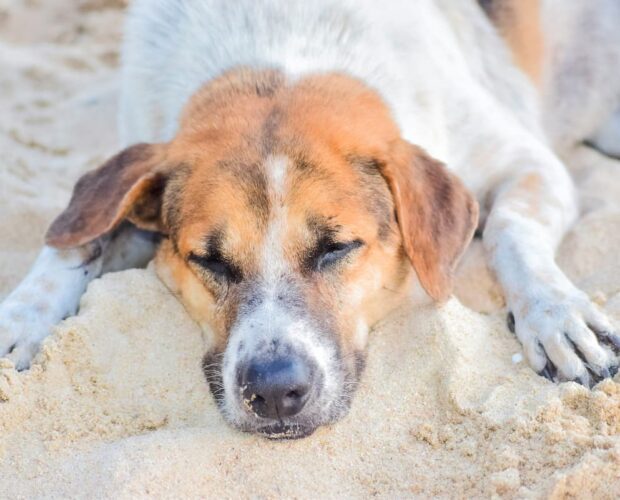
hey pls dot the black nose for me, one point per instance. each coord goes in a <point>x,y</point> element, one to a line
<point>278,388</point>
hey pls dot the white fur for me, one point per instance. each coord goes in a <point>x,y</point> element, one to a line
<point>453,89</point>
<point>46,296</point>
<point>582,71</point>
<point>52,289</point>
<point>274,264</point>
<point>277,170</point>
<point>606,138</point>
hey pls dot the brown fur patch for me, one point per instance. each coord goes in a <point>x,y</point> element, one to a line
<point>171,199</point>
<point>103,197</point>
<point>437,215</point>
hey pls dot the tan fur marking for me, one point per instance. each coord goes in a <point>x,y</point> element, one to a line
<point>519,22</point>
<point>524,196</point>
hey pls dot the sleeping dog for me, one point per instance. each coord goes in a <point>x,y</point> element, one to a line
<point>299,169</point>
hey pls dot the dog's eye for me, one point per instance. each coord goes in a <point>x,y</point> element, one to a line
<point>217,266</point>
<point>334,252</point>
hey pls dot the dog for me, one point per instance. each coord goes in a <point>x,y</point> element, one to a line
<point>300,169</point>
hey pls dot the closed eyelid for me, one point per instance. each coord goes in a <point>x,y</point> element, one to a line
<point>327,251</point>
<point>211,248</point>
<point>212,259</point>
<point>217,266</point>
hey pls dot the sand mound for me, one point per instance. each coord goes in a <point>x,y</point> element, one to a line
<point>116,405</point>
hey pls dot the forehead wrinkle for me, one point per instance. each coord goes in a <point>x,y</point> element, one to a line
<point>250,178</point>
<point>306,172</point>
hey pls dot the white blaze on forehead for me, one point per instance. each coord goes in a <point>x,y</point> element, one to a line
<point>277,169</point>
<point>273,262</point>
<point>361,334</point>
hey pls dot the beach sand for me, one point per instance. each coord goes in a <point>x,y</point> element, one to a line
<point>116,404</point>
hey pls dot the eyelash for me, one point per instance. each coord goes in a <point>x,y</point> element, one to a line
<point>328,254</point>
<point>217,267</point>
<point>334,252</point>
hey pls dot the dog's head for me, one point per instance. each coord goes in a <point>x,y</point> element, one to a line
<point>293,215</point>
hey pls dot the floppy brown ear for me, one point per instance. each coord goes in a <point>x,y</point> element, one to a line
<point>437,215</point>
<point>128,186</point>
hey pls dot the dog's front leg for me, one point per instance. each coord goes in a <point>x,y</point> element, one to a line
<point>52,289</point>
<point>564,335</point>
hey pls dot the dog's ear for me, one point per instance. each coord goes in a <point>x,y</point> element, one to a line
<point>437,215</point>
<point>128,186</point>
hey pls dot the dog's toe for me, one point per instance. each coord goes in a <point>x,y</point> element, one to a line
<point>8,338</point>
<point>21,332</point>
<point>568,339</point>
<point>23,354</point>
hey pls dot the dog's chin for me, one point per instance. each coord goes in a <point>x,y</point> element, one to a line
<point>297,429</point>
<point>282,431</point>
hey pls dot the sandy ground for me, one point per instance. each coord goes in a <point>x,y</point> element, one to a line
<point>116,405</point>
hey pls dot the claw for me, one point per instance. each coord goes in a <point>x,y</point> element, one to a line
<point>610,338</point>
<point>510,322</point>
<point>614,339</point>
<point>583,381</point>
<point>548,372</point>
<point>605,373</point>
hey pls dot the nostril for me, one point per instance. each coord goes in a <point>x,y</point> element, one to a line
<point>276,388</point>
<point>256,403</point>
<point>259,406</point>
<point>292,402</point>
<point>297,393</point>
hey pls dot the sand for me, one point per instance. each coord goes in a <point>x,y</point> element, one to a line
<point>116,405</point>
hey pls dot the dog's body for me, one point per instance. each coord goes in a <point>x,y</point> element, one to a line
<point>483,87</point>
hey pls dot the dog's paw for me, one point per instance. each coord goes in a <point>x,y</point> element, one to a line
<point>566,337</point>
<point>22,328</point>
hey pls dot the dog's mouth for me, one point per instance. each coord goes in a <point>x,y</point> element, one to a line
<point>281,431</point>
